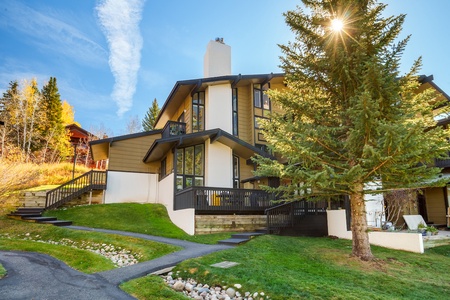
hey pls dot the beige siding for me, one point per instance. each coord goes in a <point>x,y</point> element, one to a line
<point>245,114</point>
<point>127,155</point>
<point>246,170</point>
<point>186,108</point>
<point>436,205</point>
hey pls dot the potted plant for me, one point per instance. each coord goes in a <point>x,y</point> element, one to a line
<point>422,228</point>
<point>432,230</point>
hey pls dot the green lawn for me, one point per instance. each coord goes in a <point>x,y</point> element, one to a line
<point>2,271</point>
<point>141,218</point>
<point>281,267</point>
<point>58,242</point>
<point>321,268</point>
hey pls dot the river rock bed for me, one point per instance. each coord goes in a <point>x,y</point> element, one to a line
<point>198,291</point>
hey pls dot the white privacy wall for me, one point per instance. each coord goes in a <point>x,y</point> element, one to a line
<point>412,242</point>
<point>131,187</point>
<point>185,218</point>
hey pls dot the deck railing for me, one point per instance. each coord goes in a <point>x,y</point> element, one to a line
<point>173,128</point>
<point>287,214</point>
<point>212,199</point>
<point>92,180</point>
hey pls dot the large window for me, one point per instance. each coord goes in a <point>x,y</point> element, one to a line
<point>198,112</point>
<point>235,112</point>
<point>190,167</point>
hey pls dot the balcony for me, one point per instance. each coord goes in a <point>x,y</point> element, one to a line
<point>173,128</point>
<point>210,200</point>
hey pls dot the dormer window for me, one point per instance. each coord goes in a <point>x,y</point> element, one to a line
<point>198,112</point>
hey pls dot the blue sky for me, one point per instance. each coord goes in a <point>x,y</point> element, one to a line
<point>81,44</point>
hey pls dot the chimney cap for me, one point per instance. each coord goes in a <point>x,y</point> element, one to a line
<point>220,40</point>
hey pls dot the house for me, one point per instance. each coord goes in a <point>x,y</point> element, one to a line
<point>198,162</point>
<point>79,139</point>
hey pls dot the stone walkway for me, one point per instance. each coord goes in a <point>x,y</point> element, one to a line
<point>39,276</point>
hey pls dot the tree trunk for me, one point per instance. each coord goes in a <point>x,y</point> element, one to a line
<point>361,245</point>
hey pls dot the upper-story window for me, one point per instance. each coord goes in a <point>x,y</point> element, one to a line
<point>198,112</point>
<point>261,110</point>
<point>260,98</point>
<point>235,111</point>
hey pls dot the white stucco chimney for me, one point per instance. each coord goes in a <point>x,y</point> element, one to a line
<point>217,59</point>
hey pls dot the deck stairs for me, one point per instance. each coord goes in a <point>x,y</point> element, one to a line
<point>92,180</point>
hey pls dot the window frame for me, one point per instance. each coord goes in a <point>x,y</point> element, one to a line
<point>198,103</point>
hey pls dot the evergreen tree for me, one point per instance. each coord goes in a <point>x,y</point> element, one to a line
<point>349,118</point>
<point>149,120</point>
<point>52,127</point>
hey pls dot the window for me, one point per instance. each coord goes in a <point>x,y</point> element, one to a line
<point>262,108</point>
<point>236,181</point>
<point>190,167</point>
<point>198,112</point>
<point>163,171</point>
<point>235,112</point>
<point>260,98</point>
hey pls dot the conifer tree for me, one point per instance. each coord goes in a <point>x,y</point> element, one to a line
<point>52,127</point>
<point>149,120</point>
<point>349,117</point>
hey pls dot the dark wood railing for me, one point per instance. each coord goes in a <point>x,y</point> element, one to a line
<point>173,129</point>
<point>224,200</point>
<point>92,180</point>
<point>287,214</point>
<point>442,163</point>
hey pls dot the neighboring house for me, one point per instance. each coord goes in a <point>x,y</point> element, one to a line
<point>80,138</point>
<point>198,163</point>
<point>433,203</point>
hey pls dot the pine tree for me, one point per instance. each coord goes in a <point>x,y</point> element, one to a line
<point>149,120</point>
<point>52,127</point>
<point>349,118</point>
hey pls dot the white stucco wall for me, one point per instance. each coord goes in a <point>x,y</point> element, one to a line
<point>217,60</point>
<point>406,241</point>
<point>185,218</point>
<point>219,108</point>
<point>219,165</point>
<point>131,187</point>
<point>374,205</point>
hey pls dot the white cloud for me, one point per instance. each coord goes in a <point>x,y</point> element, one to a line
<point>119,20</point>
<point>50,30</point>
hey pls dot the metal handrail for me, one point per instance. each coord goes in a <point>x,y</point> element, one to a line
<point>89,181</point>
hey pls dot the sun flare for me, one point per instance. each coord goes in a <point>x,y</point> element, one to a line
<point>337,24</point>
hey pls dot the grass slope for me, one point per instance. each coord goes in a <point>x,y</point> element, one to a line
<point>141,218</point>
<point>321,268</point>
<point>20,235</point>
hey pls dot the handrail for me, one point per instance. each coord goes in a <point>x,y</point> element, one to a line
<point>89,181</point>
<point>214,199</point>
<point>287,214</point>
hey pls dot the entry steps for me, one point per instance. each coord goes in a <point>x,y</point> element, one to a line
<point>35,214</point>
<point>243,237</point>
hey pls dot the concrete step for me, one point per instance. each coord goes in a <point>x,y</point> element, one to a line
<point>40,219</point>
<point>246,235</point>
<point>57,222</point>
<point>232,241</point>
<point>24,215</point>
<point>30,209</point>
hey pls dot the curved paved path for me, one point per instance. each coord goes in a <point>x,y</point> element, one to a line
<point>39,276</point>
